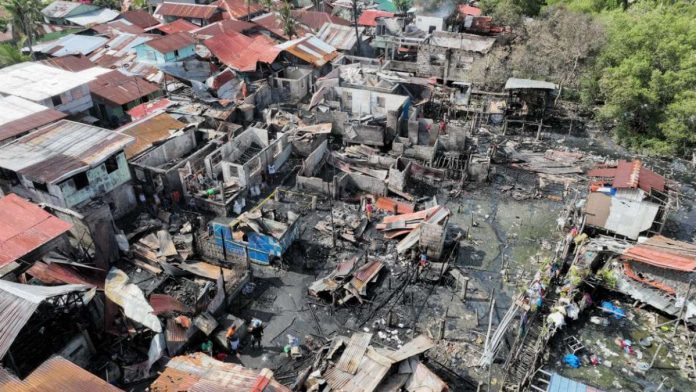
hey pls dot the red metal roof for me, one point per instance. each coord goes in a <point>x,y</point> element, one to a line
<point>240,52</point>
<point>183,10</point>
<point>177,26</point>
<point>630,175</point>
<point>664,252</point>
<point>317,19</point>
<point>24,227</point>
<point>171,42</point>
<point>69,63</point>
<point>369,17</point>
<point>140,18</point>
<point>239,9</point>
<point>55,273</point>
<point>147,108</point>
<point>223,27</point>
<point>465,9</point>
<point>163,303</point>
<point>120,89</point>
<point>115,27</point>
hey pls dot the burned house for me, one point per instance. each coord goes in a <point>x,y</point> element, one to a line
<point>163,146</point>
<point>360,115</point>
<point>246,163</point>
<point>28,232</point>
<point>627,200</point>
<point>41,321</point>
<point>69,164</point>
<point>528,99</point>
<point>294,83</point>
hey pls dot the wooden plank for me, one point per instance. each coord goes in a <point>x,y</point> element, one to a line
<point>166,245</point>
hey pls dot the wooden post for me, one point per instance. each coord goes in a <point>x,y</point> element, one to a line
<point>655,356</point>
<point>681,310</point>
<point>443,325</point>
<point>538,135</point>
<point>490,321</point>
<point>314,203</point>
<point>465,286</point>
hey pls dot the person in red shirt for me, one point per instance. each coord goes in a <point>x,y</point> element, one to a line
<point>368,209</point>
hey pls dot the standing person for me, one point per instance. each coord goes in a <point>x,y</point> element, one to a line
<point>443,127</point>
<point>207,347</point>
<point>257,328</point>
<point>368,209</point>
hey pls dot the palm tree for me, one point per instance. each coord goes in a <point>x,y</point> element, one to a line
<point>287,19</point>
<point>11,54</point>
<point>25,17</point>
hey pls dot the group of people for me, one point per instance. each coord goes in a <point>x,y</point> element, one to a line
<point>255,330</point>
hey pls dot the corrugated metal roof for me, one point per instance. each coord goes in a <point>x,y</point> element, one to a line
<point>369,17</point>
<point>465,9</point>
<point>516,83</point>
<point>140,18</point>
<point>148,131</point>
<point>199,372</point>
<point>177,26</point>
<point>416,346</point>
<point>145,109</point>
<point>338,36</point>
<point>69,63</point>
<point>59,9</point>
<point>353,354</point>
<point>222,27</point>
<point>664,252</point>
<point>630,174</point>
<point>239,9</point>
<point>316,19</point>
<point>71,44</point>
<point>463,41</point>
<point>622,216</point>
<point>172,42</point>
<point>58,151</point>
<point>240,52</point>
<point>163,303</point>
<point>55,273</point>
<point>310,49</point>
<point>119,89</point>
<point>58,374</point>
<point>19,116</point>
<point>18,303</point>
<point>91,18</point>
<point>183,10</point>
<point>119,51</point>
<point>175,335</point>
<point>116,27</point>
<point>24,226</point>
<point>371,372</point>
<point>36,81</point>
<point>562,384</point>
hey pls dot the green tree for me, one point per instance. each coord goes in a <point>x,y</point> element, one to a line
<point>11,54</point>
<point>289,24</point>
<point>402,5</point>
<point>25,17</point>
<point>113,4</point>
<point>646,76</point>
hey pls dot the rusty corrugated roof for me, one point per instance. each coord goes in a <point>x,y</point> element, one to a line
<point>119,89</point>
<point>145,109</point>
<point>57,374</point>
<point>72,63</point>
<point>149,131</point>
<point>240,52</point>
<point>55,273</point>
<point>199,372</point>
<point>239,9</point>
<point>59,151</point>
<point>338,36</point>
<point>369,17</point>
<point>140,18</point>
<point>171,42</point>
<point>20,116</point>
<point>177,26</point>
<point>274,23</point>
<point>316,19</point>
<point>183,10</point>
<point>24,227</point>
<point>353,354</point>
<point>630,175</point>
<point>664,252</point>
<point>163,303</point>
<point>222,27</point>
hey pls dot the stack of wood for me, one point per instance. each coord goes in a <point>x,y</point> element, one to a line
<point>410,225</point>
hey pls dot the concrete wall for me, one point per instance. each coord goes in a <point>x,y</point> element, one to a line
<point>149,55</point>
<point>433,239</point>
<point>294,82</point>
<point>425,23</point>
<point>371,135</point>
<point>100,182</point>
<point>398,175</point>
<point>312,164</point>
<point>73,101</point>
<point>444,63</point>
<point>368,184</point>
<point>361,102</point>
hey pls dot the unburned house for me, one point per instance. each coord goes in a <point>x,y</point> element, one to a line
<point>168,49</point>
<point>69,164</point>
<point>20,117</point>
<point>55,88</point>
<point>198,14</point>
